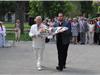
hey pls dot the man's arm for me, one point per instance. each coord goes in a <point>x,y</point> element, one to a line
<point>33,32</point>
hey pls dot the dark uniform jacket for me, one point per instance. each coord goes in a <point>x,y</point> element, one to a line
<point>66,35</point>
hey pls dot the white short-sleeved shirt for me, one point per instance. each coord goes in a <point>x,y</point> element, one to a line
<point>91,27</point>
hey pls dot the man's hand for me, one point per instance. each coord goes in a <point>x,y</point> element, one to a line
<point>41,30</point>
<point>60,31</point>
<point>34,36</point>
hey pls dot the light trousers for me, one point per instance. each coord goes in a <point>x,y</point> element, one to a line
<point>17,34</point>
<point>91,37</point>
<point>38,52</point>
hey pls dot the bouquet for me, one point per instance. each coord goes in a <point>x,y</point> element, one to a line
<point>57,30</point>
<point>44,32</point>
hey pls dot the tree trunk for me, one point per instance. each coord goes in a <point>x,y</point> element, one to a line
<point>19,14</point>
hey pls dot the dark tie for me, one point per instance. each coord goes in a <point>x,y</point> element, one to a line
<point>60,24</point>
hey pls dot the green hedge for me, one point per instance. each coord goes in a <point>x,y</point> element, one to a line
<point>24,37</point>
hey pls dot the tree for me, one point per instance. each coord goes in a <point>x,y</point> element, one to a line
<point>49,8</point>
<point>35,8</point>
<point>19,14</point>
<point>5,7</point>
<point>86,7</point>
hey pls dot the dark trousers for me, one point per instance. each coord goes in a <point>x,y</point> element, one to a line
<point>62,52</point>
<point>82,37</point>
<point>78,38</point>
<point>97,38</point>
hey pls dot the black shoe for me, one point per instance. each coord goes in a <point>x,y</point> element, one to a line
<point>59,68</point>
<point>64,67</point>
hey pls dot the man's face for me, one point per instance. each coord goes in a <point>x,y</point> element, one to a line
<point>60,17</point>
<point>38,21</point>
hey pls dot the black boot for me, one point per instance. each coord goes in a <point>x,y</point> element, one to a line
<point>59,68</point>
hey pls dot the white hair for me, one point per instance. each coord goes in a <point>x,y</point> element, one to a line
<point>38,17</point>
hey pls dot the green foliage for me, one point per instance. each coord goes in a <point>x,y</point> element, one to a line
<point>70,8</point>
<point>6,6</point>
<point>35,8</point>
<point>49,8</point>
<point>86,7</point>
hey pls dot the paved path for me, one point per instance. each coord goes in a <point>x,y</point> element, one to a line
<point>19,60</point>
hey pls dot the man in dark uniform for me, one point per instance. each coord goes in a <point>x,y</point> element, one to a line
<point>62,41</point>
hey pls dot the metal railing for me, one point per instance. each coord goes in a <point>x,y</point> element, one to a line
<point>10,33</point>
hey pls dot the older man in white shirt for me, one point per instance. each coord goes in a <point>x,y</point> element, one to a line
<point>38,40</point>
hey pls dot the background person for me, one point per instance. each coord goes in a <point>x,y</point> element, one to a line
<point>17,30</point>
<point>2,34</point>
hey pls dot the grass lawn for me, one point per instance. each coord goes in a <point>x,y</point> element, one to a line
<point>11,35</point>
<point>11,25</point>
